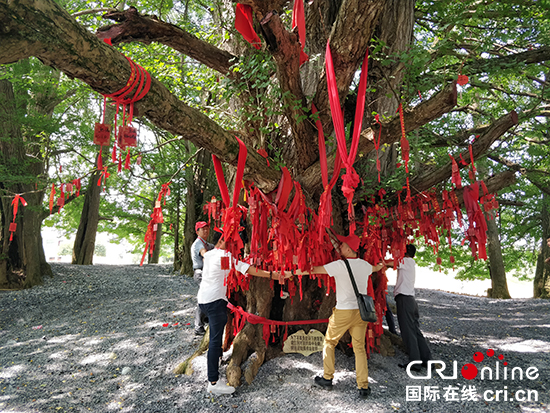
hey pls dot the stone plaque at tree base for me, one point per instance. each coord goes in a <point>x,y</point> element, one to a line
<point>303,343</point>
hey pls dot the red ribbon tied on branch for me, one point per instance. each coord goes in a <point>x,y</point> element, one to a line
<point>350,178</point>
<point>156,219</point>
<point>15,203</point>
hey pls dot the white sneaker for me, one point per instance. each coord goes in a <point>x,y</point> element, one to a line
<point>221,387</point>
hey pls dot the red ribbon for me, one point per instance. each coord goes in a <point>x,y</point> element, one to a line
<point>455,173</point>
<point>325,203</point>
<point>350,178</point>
<point>299,20</point>
<point>52,196</point>
<point>15,203</point>
<point>243,24</point>
<point>156,219</point>
<point>104,176</point>
<point>254,319</point>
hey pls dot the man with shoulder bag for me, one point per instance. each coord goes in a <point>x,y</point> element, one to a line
<point>346,316</point>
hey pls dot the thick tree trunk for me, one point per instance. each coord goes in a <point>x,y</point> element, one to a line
<point>22,260</point>
<point>499,286</point>
<point>541,283</point>
<point>84,243</point>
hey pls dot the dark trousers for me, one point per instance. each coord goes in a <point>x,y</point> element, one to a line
<point>200,317</point>
<point>389,318</point>
<point>217,319</point>
<point>407,316</point>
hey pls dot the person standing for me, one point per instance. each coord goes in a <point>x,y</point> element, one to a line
<point>407,310</point>
<point>212,299</point>
<point>203,230</point>
<point>345,315</point>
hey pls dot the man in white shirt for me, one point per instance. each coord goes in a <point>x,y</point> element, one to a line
<point>407,310</point>
<point>202,229</point>
<point>212,299</point>
<point>345,316</point>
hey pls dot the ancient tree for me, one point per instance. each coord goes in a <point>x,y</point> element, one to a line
<point>412,97</point>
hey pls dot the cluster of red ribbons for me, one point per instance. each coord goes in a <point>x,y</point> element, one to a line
<point>350,178</point>
<point>135,89</point>
<point>156,219</point>
<point>65,190</point>
<point>231,218</point>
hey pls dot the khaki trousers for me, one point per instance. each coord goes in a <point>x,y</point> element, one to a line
<point>339,322</point>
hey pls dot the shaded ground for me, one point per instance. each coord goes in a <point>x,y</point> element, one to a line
<point>92,339</point>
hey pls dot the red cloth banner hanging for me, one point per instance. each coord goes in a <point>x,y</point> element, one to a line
<point>244,25</point>
<point>325,202</point>
<point>350,178</point>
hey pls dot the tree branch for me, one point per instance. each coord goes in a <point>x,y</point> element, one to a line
<point>53,36</point>
<point>134,27</point>
<point>429,178</point>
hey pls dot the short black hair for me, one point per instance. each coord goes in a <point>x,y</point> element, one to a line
<point>410,250</point>
<point>216,237</point>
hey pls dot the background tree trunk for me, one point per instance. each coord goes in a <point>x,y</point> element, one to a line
<point>541,283</point>
<point>22,261</point>
<point>154,258</point>
<point>194,199</point>
<point>84,243</point>
<point>499,286</point>
<point>177,256</point>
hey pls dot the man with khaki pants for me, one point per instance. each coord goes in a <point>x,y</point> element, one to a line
<point>345,316</point>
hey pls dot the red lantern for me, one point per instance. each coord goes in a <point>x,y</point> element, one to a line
<point>102,134</point>
<point>127,136</point>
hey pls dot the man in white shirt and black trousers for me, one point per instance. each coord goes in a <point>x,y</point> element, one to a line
<point>202,229</point>
<point>407,310</point>
<point>212,299</point>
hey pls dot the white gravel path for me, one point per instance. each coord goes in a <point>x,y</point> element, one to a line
<point>92,339</point>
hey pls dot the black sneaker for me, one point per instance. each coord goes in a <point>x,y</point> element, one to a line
<point>324,383</point>
<point>364,393</point>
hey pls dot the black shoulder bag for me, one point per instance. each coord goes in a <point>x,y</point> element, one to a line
<point>365,301</point>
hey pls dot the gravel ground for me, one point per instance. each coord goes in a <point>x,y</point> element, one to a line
<point>92,339</point>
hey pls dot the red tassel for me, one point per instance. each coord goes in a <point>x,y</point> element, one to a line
<point>127,162</point>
